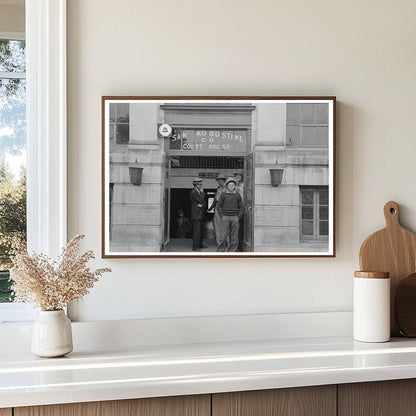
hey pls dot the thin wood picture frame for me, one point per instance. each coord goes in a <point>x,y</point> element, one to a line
<point>279,151</point>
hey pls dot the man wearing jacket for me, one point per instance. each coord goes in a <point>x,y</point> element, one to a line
<point>198,202</point>
<point>231,209</point>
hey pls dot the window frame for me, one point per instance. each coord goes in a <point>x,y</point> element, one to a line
<point>12,35</point>
<point>301,126</point>
<point>116,124</point>
<point>46,127</point>
<point>316,218</point>
<point>14,312</point>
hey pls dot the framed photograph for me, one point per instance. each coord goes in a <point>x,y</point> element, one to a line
<point>218,177</point>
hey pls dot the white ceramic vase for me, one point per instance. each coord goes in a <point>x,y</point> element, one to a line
<point>52,334</point>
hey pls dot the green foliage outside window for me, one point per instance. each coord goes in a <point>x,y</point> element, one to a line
<point>12,222</point>
<point>12,145</point>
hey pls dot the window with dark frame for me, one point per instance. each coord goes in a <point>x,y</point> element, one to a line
<point>314,213</point>
<point>119,123</point>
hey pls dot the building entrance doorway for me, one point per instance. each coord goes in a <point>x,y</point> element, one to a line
<point>180,230</point>
<point>180,172</point>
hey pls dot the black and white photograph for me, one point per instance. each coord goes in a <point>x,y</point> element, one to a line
<point>218,176</point>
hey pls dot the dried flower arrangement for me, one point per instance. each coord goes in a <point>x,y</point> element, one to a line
<point>52,285</point>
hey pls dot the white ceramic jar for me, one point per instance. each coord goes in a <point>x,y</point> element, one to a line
<point>371,307</point>
<point>52,334</point>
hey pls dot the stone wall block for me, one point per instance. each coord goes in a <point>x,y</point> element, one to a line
<point>136,214</point>
<point>311,175</point>
<point>282,195</point>
<point>150,174</point>
<point>308,157</point>
<point>283,216</point>
<point>272,157</point>
<point>136,234</point>
<point>276,237</point>
<point>133,248</point>
<point>144,155</point>
<point>143,194</point>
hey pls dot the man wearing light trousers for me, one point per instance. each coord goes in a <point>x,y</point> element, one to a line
<point>231,209</point>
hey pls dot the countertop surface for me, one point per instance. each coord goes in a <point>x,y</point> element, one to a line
<point>200,368</point>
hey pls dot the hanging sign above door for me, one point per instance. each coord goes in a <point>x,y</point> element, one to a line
<point>193,140</point>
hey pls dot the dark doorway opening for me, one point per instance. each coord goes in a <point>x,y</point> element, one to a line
<point>181,171</point>
<point>179,200</point>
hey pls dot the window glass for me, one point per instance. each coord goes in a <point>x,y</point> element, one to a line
<point>321,136</point>
<point>307,113</point>
<point>122,136</point>
<point>111,133</point>
<point>12,155</point>
<point>307,197</point>
<point>307,213</point>
<point>293,135</point>
<point>112,112</point>
<point>322,111</point>
<point>323,196</point>
<point>119,123</point>
<point>323,213</point>
<point>293,114</point>
<point>314,136</point>
<point>122,112</point>
<point>12,55</point>
<point>307,125</point>
<point>314,213</point>
<point>308,135</point>
<point>307,228</point>
<point>323,227</point>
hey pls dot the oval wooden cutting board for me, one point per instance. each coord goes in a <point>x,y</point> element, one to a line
<point>392,250</point>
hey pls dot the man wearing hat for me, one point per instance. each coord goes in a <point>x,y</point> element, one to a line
<point>231,209</point>
<point>239,176</point>
<point>217,219</point>
<point>198,203</point>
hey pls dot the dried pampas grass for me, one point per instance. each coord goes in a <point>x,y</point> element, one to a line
<point>53,285</point>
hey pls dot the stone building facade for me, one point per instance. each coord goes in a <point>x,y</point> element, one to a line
<point>209,138</point>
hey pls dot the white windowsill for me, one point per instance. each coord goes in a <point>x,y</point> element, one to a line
<point>16,313</point>
<point>94,336</point>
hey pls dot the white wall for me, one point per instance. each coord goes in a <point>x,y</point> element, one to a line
<point>361,51</point>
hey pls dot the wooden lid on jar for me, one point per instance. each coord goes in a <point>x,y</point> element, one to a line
<point>372,275</point>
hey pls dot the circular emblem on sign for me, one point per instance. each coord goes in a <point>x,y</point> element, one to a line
<point>165,130</point>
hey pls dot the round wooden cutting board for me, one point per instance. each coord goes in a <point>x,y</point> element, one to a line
<point>392,250</point>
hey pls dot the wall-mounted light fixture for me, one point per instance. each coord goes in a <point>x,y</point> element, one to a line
<point>135,173</point>
<point>276,176</point>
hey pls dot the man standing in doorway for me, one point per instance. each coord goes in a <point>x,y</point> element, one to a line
<point>217,220</point>
<point>240,189</point>
<point>231,208</point>
<point>198,202</point>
